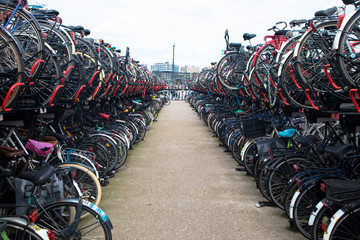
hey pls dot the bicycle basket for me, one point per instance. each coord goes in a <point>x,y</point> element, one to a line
<point>253,127</point>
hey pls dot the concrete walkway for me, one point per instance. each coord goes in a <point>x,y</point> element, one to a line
<point>180,184</point>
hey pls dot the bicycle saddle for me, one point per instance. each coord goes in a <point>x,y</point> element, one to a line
<point>297,22</point>
<point>307,140</point>
<point>339,151</point>
<point>76,29</point>
<point>248,36</point>
<point>348,2</point>
<point>87,32</point>
<point>235,45</point>
<point>326,13</point>
<point>10,153</point>
<point>287,133</point>
<point>38,177</point>
<point>281,33</point>
<point>53,12</point>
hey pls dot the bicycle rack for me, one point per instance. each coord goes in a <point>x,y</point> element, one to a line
<point>54,93</point>
<point>107,79</point>
<point>354,94</point>
<point>93,77</point>
<point>310,100</point>
<point>78,93</point>
<point>95,92</point>
<point>8,96</point>
<point>108,88</point>
<point>282,97</point>
<point>66,73</point>
<point>294,80</point>
<point>330,78</point>
<point>33,68</point>
<point>117,87</point>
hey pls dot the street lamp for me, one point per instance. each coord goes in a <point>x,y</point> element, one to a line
<point>173,66</point>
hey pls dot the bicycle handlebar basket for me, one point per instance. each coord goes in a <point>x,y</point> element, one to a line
<point>253,127</point>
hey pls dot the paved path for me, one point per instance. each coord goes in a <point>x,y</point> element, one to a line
<point>180,184</point>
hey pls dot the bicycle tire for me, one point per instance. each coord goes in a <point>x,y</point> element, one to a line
<point>19,228</point>
<point>230,69</point>
<point>345,226</point>
<point>348,65</point>
<point>279,178</point>
<point>25,28</point>
<point>88,182</point>
<point>11,68</point>
<point>303,208</point>
<point>60,215</point>
<point>310,56</point>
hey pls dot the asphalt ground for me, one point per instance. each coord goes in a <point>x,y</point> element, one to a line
<point>180,184</point>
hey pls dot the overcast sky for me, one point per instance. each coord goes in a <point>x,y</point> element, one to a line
<point>151,27</point>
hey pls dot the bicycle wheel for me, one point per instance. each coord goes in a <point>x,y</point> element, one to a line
<point>26,30</point>
<point>249,151</point>
<point>102,155</point>
<point>87,181</point>
<point>19,228</point>
<point>346,225</point>
<point>311,56</point>
<point>63,218</point>
<point>348,51</point>
<point>291,87</point>
<point>278,178</point>
<point>49,77</point>
<point>303,207</point>
<point>324,215</point>
<point>265,84</point>
<point>231,68</point>
<point>92,71</point>
<point>11,68</point>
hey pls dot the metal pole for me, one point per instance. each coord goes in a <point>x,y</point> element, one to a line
<point>173,66</point>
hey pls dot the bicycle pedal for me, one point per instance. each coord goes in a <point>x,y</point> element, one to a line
<point>104,182</point>
<point>264,204</point>
<point>240,169</point>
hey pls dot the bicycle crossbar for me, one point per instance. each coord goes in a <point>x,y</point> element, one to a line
<point>330,78</point>
<point>54,93</point>
<point>8,96</point>
<point>354,93</point>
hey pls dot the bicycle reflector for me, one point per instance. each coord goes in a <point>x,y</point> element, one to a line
<point>33,215</point>
<point>50,235</point>
<point>323,186</point>
<point>340,20</point>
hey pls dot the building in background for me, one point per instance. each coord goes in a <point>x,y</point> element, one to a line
<point>181,78</point>
<point>160,67</point>
<point>191,69</point>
